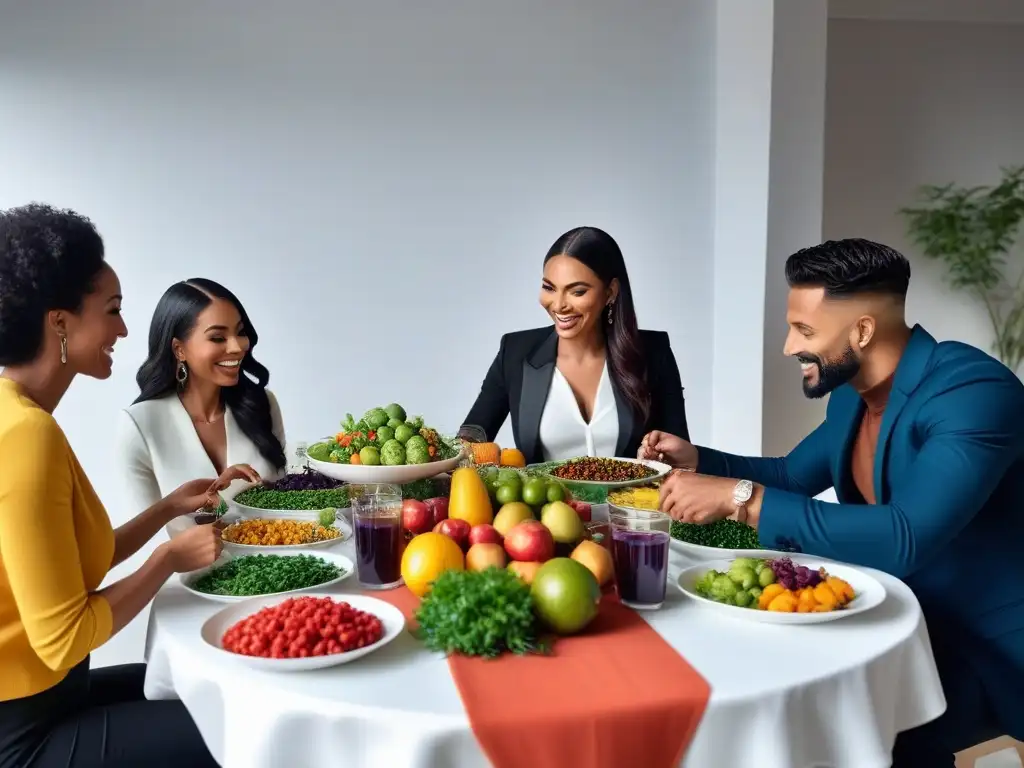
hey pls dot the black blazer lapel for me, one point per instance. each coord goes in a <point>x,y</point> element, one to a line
<point>538,369</point>
<point>627,422</point>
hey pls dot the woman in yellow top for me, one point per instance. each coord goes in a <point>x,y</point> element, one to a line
<point>60,316</point>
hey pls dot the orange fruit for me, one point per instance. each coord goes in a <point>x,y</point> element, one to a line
<point>597,559</point>
<point>426,557</point>
<point>480,557</point>
<point>525,570</point>
<point>512,457</point>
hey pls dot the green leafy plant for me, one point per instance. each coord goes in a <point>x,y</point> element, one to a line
<point>973,230</point>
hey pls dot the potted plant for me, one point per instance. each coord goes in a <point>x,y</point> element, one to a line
<point>973,230</point>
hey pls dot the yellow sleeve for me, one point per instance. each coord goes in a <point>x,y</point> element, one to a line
<point>40,553</point>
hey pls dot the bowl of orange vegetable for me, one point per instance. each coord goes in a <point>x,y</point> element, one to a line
<point>782,590</point>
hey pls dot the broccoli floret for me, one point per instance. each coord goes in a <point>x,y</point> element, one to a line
<point>341,456</point>
<point>392,454</point>
<point>376,417</point>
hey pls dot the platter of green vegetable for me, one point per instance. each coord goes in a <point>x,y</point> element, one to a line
<point>234,579</point>
<point>479,613</point>
<point>723,538</point>
<point>293,496</point>
<point>385,446</point>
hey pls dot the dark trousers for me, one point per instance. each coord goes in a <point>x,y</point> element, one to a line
<point>982,701</point>
<point>99,719</point>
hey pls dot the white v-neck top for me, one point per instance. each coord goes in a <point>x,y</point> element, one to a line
<point>564,434</point>
<point>159,450</point>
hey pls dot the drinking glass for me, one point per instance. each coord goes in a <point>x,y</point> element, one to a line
<point>640,554</point>
<point>377,521</point>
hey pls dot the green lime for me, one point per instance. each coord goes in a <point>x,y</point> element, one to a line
<point>556,492</point>
<point>369,456</point>
<point>535,491</point>
<point>508,476</point>
<point>403,433</point>
<point>508,493</point>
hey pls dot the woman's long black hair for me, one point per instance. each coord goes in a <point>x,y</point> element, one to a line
<point>175,318</point>
<point>597,250</point>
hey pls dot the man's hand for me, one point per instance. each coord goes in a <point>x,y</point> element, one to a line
<point>692,498</point>
<point>661,446</point>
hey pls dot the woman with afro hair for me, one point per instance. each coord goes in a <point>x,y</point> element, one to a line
<point>60,317</point>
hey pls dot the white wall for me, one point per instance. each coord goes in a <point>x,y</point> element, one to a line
<point>913,103</point>
<point>794,207</point>
<point>377,181</point>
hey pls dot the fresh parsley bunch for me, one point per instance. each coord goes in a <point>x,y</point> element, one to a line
<point>479,613</point>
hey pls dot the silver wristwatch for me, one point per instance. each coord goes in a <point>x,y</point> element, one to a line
<point>740,496</point>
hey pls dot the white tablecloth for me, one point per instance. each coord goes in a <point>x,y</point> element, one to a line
<point>828,695</point>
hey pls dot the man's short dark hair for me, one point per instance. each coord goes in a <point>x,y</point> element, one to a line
<point>850,267</point>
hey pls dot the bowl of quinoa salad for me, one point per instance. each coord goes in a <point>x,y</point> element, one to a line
<point>606,472</point>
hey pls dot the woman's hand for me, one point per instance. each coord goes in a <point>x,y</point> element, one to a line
<point>194,548</point>
<point>203,494</point>
<point>236,472</point>
<point>661,446</point>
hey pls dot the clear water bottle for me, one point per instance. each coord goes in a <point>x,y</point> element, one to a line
<point>300,462</point>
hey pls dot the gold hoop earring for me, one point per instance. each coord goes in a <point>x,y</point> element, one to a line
<point>181,375</point>
<point>63,350</point>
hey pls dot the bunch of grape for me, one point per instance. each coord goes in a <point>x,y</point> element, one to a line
<point>792,576</point>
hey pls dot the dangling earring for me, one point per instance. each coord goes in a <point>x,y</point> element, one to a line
<point>610,312</point>
<point>64,350</point>
<point>181,376</point>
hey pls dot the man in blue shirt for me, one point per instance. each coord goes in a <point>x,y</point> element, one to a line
<point>924,444</point>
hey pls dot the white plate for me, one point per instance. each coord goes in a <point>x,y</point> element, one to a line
<point>340,523</point>
<point>700,552</point>
<point>657,466</point>
<point>869,593</point>
<point>189,579</point>
<point>363,473</point>
<point>214,628</point>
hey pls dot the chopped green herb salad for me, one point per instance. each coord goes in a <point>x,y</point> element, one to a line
<point>254,575</point>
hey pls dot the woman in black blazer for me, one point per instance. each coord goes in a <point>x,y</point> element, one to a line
<point>551,379</point>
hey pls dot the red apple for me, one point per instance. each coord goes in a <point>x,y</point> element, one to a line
<point>417,517</point>
<point>484,534</point>
<point>582,509</point>
<point>530,541</point>
<point>458,530</point>
<point>439,508</point>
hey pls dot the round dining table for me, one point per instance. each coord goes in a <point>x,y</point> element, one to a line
<point>830,695</point>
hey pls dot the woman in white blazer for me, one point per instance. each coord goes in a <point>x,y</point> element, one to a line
<point>203,405</point>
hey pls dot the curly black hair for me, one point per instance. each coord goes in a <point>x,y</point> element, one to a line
<point>850,267</point>
<point>49,259</point>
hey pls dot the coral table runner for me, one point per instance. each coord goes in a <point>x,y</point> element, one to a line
<point>615,695</point>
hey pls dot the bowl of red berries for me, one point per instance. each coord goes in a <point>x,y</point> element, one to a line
<point>303,632</point>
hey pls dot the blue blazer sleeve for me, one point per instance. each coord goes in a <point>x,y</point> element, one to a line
<point>805,470</point>
<point>972,433</point>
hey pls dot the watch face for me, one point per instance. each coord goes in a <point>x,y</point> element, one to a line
<point>744,490</point>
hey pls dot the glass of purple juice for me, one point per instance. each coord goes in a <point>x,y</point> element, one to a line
<point>640,555</point>
<point>377,521</point>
